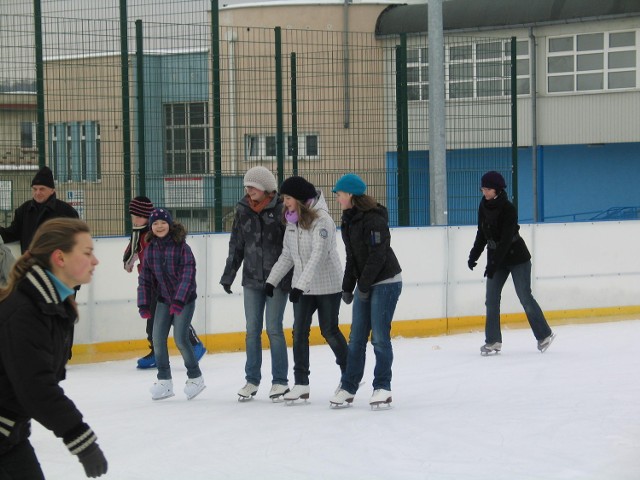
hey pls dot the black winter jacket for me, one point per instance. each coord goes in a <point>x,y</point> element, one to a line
<point>35,341</point>
<point>30,215</point>
<point>498,230</point>
<point>367,241</point>
<point>256,241</point>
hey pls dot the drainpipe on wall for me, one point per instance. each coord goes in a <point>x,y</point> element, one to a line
<point>534,124</point>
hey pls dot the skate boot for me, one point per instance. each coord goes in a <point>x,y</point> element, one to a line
<point>277,392</point>
<point>193,387</point>
<point>380,399</point>
<point>162,389</point>
<point>298,392</point>
<point>199,350</point>
<point>148,361</point>
<point>247,392</point>
<point>341,399</point>
<point>546,342</point>
<point>490,349</point>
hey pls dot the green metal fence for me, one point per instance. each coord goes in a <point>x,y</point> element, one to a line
<point>178,111</point>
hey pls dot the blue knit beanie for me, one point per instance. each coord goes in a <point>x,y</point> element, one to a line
<point>160,214</point>
<point>350,183</point>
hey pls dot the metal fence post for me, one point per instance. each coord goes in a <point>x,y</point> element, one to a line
<point>142,160</point>
<point>217,129</point>
<point>514,121</point>
<point>279,108</point>
<point>294,115</point>
<point>402,132</point>
<point>126,121</point>
<point>37,9</point>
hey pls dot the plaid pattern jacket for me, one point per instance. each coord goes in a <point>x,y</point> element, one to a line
<point>312,253</point>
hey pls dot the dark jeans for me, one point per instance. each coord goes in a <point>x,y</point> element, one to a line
<point>328,307</point>
<point>521,275</point>
<point>20,463</point>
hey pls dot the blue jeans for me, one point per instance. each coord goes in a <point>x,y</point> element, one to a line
<point>521,275</point>
<point>328,307</point>
<point>375,316</point>
<point>162,322</point>
<point>257,308</point>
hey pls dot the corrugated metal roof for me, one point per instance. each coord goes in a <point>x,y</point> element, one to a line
<point>493,14</point>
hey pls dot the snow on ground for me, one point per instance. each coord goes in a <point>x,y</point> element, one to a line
<point>571,413</point>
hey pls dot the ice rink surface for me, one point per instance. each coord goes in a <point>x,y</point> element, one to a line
<point>570,413</point>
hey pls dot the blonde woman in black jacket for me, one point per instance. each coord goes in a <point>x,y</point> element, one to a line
<point>373,271</point>
<point>498,230</point>
<point>37,313</point>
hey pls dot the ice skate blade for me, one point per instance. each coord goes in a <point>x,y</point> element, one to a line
<point>277,398</point>
<point>338,406</point>
<point>490,353</point>
<point>289,402</point>
<point>380,405</point>
<point>164,397</point>
<point>243,399</point>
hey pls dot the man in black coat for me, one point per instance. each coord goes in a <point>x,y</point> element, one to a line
<point>31,214</point>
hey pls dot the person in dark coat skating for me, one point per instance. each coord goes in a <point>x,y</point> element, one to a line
<point>507,254</point>
<point>37,313</point>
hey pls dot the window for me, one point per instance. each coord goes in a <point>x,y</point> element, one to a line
<point>264,147</point>
<point>194,219</point>
<point>28,135</point>
<point>475,70</point>
<point>592,62</point>
<point>75,151</point>
<point>186,138</point>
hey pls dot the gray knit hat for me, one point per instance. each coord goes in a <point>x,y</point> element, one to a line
<point>261,178</point>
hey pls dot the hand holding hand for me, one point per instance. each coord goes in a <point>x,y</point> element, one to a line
<point>93,461</point>
<point>175,308</point>
<point>227,288</point>
<point>347,297</point>
<point>268,290</point>
<point>295,295</point>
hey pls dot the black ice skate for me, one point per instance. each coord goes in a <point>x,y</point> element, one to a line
<point>490,349</point>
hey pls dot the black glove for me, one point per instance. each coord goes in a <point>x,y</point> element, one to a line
<point>295,295</point>
<point>471,264</point>
<point>489,271</point>
<point>93,461</point>
<point>227,288</point>
<point>363,296</point>
<point>268,289</point>
<point>347,297</point>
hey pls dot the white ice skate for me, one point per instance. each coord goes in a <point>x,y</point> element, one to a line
<point>545,342</point>
<point>247,392</point>
<point>381,399</point>
<point>277,392</point>
<point>162,389</point>
<point>341,399</point>
<point>298,392</point>
<point>193,387</point>
<point>490,349</point>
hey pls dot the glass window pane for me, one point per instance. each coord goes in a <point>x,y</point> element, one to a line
<point>252,146</point>
<point>489,50</point>
<point>460,71</point>
<point>489,69</point>
<point>591,41</point>
<point>198,138</point>
<point>622,59</point>
<point>425,74</point>
<point>180,163</point>
<point>168,139</point>
<point>560,64</point>
<point>591,61</point>
<point>179,139</point>
<point>460,53</point>
<point>413,92</point>
<point>311,145</point>
<point>167,115</point>
<point>179,114</point>
<point>523,86</point>
<point>489,88</point>
<point>590,81</point>
<point>424,52</point>
<point>461,90</point>
<point>562,83</point>
<point>413,55</point>
<point>622,80</point>
<point>424,90</point>
<point>198,162</point>
<point>270,146</point>
<point>197,114</point>
<point>168,163</point>
<point>413,74</point>
<point>522,47</point>
<point>522,66</point>
<point>622,39</point>
<point>563,44</point>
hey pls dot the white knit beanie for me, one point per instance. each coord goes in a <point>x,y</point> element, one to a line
<point>261,178</point>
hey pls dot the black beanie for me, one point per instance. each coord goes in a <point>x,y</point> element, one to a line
<point>44,177</point>
<point>298,188</point>
<point>493,180</point>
